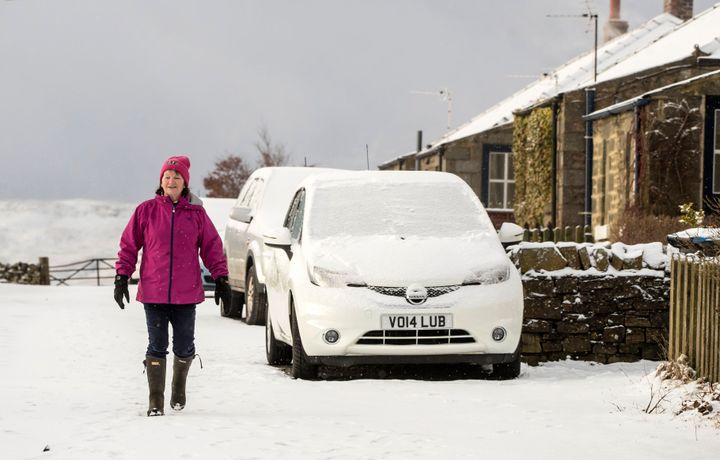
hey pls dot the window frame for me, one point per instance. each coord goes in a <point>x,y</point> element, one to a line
<point>506,150</point>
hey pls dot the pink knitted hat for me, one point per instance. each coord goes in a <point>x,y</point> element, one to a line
<point>180,164</point>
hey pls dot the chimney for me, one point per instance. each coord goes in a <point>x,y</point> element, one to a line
<point>615,26</point>
<point>682,9</point>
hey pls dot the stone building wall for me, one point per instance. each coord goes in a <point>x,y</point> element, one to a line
<point>613,168</point>
<point>570,160</point>
<point>429,162</point>
<point>464,157</point>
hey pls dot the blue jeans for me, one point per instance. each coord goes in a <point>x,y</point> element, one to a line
<point>182,318</point>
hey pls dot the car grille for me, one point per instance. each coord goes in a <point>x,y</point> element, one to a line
<point>416,337</point>
<point>434,291</point>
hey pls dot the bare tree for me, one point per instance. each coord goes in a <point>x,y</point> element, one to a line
<point>270,154</point>
<point>228,177</point>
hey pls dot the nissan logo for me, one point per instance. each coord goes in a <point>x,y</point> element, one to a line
<point>416,294</point>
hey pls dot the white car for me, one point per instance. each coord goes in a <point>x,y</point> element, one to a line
<point>390,267</point>
<point>261,205</point>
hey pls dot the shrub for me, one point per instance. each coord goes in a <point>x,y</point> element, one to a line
<point>637,226</point>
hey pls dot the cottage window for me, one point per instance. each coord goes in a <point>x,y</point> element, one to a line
<point>501,181</point>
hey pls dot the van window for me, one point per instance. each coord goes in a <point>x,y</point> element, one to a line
<point>396,209</point>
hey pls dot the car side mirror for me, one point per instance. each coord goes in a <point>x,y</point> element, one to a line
<point>242,214</point>
<point>510,233</point>
<point>278,238</point>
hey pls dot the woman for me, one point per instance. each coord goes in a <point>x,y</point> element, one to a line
<point>170,229</point>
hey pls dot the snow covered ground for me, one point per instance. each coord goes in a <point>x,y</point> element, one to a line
<point>72,381</point>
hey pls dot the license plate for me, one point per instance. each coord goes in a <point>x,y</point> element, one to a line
<point>424,321</point>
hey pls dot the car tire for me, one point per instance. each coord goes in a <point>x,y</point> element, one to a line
<point>235,308</point>
<point>301,367</point>
<point>255,300</point>
<point>277,353</point>
<point>507,371</point>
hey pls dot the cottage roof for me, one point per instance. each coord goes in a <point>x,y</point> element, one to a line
<point>702,31</point>
<point>574,74</point>
<point>397,159</point>
<point>643,98</point>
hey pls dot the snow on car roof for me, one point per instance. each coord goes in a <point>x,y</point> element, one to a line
<point>408,203</point>
<point>343,178</point>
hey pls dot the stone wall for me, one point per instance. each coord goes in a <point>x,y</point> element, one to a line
<point>606,319</point>
<point>21,273</point>
<point>595,302</point>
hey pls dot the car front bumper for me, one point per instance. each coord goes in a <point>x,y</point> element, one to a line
<point>356,311</point>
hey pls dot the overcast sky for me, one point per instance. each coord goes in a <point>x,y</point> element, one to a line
<point>94,95</point>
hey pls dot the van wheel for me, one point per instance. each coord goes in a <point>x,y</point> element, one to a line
<point>234,309</point>
<point>301,367</point>
<point>507,371</point>
<point>255,300</point>
<point>277,353</point>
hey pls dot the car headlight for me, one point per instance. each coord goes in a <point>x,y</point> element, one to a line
<point>489,275</point>
<point>324,277</point>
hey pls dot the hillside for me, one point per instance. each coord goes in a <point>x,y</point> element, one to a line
<point>72,230</point>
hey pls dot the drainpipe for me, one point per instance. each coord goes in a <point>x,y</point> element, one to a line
<point>589,108</point>
<point>554,163</point>
<point>638,137</point>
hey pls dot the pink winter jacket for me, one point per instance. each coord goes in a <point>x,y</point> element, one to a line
<point>170,239</point>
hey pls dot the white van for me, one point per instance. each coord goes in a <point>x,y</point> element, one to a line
<point>261,205</point>
<point>390,267</point>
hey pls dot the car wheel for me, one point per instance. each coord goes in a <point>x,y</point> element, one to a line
<point>301,367</point>
<point>277,353</point>
<point>507,371</point>
<point>234,309</point>
<point>255,300</point>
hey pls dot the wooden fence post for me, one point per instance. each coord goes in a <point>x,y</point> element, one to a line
<point>674,275</point>
<point>547,234</point>
<point>44,263</point>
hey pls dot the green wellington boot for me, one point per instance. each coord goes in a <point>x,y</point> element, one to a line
<point>181,366</point>
<point>155,369</point>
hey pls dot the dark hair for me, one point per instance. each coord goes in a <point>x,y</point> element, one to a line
<point>185,192</point>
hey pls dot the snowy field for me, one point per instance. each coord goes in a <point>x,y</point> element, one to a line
<point>72,381</point>
<point>72,230</point>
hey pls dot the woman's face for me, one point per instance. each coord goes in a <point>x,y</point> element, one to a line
<point>172,184</point>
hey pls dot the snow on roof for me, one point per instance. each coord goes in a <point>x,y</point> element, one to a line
<point>571,75</point>
<point>702,30</point>
<point>629,103</point>
<point>397,159</point>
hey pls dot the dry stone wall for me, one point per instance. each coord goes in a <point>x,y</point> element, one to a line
<point>613,310</point>
<point>20,273</point>
<point>597,318</point>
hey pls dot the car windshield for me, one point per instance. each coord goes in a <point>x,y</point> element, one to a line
<point>405,210</point>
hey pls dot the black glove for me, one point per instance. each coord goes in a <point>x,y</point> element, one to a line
<point>121,290</point>
<point>222,290</point>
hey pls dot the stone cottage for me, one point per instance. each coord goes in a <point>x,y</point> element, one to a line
<point>526,157</point>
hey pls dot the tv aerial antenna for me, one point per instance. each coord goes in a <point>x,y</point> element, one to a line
<point>592,17</point>
<point>446,96</point>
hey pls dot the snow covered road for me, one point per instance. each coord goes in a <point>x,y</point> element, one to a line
<point>72,380</point>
